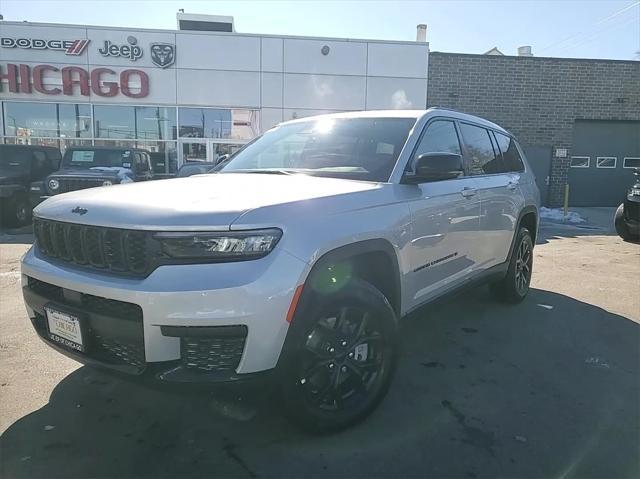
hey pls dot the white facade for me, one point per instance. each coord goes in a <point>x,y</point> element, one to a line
<point>276,78</point>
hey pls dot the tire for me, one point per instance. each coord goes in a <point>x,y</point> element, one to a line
<point>514,287</point>
<point>621,225</point>
<point>18,210</point>
<point>339,357</point>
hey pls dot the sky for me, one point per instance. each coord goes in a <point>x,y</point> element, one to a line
<point>558,28</point>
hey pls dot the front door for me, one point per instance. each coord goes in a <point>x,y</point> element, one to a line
<point>445,221</point>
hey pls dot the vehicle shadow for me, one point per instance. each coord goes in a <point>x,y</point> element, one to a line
<point>22,235</point>
<point>547,388</point>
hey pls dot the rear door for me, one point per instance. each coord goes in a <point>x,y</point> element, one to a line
<point>500,199</point>
<point>445,221</point>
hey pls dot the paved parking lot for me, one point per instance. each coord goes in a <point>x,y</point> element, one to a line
<point>548,388</point>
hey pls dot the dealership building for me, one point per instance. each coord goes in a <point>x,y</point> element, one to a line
<point>203,90</point>
<point>190,94</point>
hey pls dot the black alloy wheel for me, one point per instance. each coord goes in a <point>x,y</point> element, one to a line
<point>339,357</point>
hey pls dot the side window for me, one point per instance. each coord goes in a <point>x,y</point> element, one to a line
<point>440,137</point>
<point>39,166</point>
<point>510,154</point>
<point>483,158</point>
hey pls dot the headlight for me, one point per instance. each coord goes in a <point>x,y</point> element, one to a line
<point>230,246</point>
<point>634,192</point>
<point>53,184</point>
<point>107,183</point>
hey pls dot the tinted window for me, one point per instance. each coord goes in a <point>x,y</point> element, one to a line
<point>13,157</point>
<point>355,148</point>
<point>479,148</point>
<point>510,154</point>
<point>440,137</point>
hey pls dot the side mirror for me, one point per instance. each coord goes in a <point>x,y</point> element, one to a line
<point>222,158</point>
<point>436,167</point>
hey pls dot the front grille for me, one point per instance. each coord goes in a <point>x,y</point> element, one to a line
<point>73,184</point>
<point>112,249</point>
<point>106,341</point>
<point>212,354</point>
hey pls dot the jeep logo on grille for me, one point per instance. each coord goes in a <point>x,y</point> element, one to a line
<point>80,211</point>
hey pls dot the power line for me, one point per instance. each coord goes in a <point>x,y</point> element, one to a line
<point>599,22</point>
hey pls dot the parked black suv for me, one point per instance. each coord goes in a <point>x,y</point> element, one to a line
<point>91,166</point>
<point>627,218</point>
<point>22,170</point>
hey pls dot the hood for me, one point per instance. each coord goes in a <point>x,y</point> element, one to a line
<point>209,202</point>
<point>97,173</point>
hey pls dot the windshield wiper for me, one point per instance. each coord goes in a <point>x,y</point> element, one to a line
<point>274,171</point>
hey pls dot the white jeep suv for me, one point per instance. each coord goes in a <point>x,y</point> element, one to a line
<point>298,256</point>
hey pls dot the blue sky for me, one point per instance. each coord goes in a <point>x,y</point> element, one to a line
<point>583,29</point>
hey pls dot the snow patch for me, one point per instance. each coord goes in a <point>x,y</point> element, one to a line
<point>125,175</point>
<point>557,214</point>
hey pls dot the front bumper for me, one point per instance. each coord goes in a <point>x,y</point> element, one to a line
<point>183,323</point>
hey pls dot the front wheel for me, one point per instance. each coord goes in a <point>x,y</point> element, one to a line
<point>514,287</point>
<point>621,225</point>
<point>17,210</point>
<point>339,358</point>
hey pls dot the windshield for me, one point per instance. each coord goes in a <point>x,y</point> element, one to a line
<point>363,149</point>
<point>91,158</point>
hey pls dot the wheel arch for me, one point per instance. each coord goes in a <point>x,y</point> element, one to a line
<point>373,260</point>
<point>528,218</point>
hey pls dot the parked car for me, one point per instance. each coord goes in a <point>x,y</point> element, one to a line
<point>195,168</point>
<point>159,163</point>
<point>627,217</point>
<point>91,166</point>
<point>297,258</point>
<point>22,169</point>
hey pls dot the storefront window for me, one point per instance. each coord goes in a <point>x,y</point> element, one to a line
<point>114,121</point>
<point>116,143</point>
<point>48,120</point>
<point>25,140</point>
<point>155,123</point>
<point>217,123</point>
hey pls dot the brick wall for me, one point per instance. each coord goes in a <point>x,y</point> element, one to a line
<point>535,98</point>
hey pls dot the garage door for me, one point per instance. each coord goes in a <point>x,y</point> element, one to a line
<point>603,156</point>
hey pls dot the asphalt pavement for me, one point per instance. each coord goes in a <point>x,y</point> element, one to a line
<point>547,388</point>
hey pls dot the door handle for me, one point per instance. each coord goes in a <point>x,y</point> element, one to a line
<point>468,192</point>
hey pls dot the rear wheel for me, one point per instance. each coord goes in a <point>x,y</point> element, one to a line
<point>621,225</point>
<point>514,287</point>
<point>339,358</point>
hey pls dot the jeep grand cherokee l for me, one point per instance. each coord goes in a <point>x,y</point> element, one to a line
<point>298,256</point>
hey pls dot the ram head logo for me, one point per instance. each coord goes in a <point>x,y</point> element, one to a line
<point>163,54</point>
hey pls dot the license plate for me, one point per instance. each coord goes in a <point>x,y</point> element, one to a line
<point>64,328</point>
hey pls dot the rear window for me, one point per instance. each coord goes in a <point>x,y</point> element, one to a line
<point>510,154</point>
<point>91,158</point>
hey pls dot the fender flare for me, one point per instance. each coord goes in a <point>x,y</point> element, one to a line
<point>524,211</point>
<point>350,250</point>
